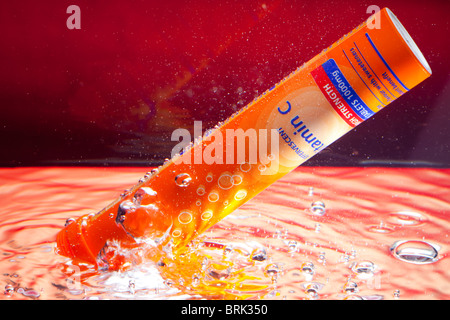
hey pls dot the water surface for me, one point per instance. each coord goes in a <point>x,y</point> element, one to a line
<point>319,233</point>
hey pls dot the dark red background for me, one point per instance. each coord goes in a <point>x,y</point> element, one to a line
<point>113,92</point>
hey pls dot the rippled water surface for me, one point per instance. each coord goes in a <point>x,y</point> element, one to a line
<point>319,233</point>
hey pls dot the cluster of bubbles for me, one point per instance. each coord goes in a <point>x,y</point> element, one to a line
<point>363,271</point>
<point>410,251</point>
<point>225,181</point>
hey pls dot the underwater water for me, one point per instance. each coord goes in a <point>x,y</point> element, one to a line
<point>318,233</point>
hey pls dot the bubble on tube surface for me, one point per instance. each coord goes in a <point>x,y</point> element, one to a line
<point>125,207</point>
<point>183,179</point>
<point>213,196</point>
<point>237,179</point>
<point>201,190</point>
<point>143,194</point>
<point>245,167</point>
<point>240,195</point>
<point>176,233</point>
<point>206,215</point>
<point>225,181</point>
<point>185,217</point>
<point>69,221</point>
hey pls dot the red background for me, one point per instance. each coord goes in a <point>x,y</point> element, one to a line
<point>112,92</point>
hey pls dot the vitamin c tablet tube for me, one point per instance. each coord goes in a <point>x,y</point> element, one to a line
<point>292,121</point>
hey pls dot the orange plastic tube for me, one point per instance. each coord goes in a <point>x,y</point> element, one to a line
<point>319,102</point>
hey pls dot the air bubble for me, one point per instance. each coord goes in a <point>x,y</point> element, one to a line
<point>364,269</point>
<point>318,208</point>
<point>69,221</point>
<point>272,270</point>
<point>225,181</point>
<point>209,177</point>
<point>125,193</point>
<point>350,287</point>
<point>312,289</point>
<point>206,215</point>
<point>227,250</point>
<point>213,196</point>
<point>142,194</point>
<point>185,217</point>
<point>317,227</point>
<point>415,251</point>
<point>237,179</point>
<point>176,233</point>
<point>245,167</point>
<point>218,272</point>
<point>407,218</point>
<point>9,290</point>
<point>381,228</point>
<point>292,246</point>
<point>259,254</point>
<point>131,287</point>
<point>201,190</point>
<point>125,207</point>
<point>322,259</point>
<point>183,179</point>
<point>240,195</point>
<point>308,270</point>
<point>195,280</point>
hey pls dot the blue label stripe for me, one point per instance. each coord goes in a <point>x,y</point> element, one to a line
<point>341,84</point>
<point>381,82</point>
<point>362,78</point>
<point>384,61</point>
